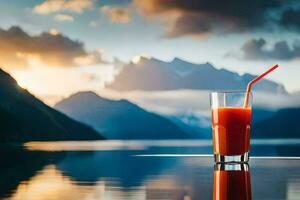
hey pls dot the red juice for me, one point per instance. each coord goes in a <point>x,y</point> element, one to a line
<point>231,130</point>
<point>232,185</point>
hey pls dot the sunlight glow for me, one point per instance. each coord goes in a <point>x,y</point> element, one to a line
<point>50,183</point>
<point>136,59</point>
<point>54,83</point>
<point>53,31</point>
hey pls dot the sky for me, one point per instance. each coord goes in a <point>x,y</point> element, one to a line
<point>58,47</point>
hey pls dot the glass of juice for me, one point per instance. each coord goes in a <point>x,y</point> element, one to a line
<point>231,182</point>
<point>230,126</point>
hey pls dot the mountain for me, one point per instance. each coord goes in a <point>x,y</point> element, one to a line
<point>118,119</point>
<point>283,124</point>
<point>195,126</point>
<point>200,126</point>
<point>25,118</point>
<point>261,114</point>
<point>153,74</point>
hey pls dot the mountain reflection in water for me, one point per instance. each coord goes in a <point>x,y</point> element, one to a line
<point>133,170</point>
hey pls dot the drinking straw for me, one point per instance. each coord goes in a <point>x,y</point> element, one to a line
<point>254,81</point>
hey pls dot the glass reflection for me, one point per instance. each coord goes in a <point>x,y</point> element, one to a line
<point>231,182</point>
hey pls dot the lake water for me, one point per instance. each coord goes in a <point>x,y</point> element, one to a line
<point>137,170</point>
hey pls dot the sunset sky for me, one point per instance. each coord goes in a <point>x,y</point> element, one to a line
<point>58,47</point>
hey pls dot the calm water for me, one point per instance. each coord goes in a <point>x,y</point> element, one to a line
<point>139,170</point>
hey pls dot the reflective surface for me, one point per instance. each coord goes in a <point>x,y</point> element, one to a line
<point>140,170</point>
<point>231,182</point>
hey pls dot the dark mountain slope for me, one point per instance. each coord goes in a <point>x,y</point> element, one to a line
<point>283,124</point>
<point>25,118</point>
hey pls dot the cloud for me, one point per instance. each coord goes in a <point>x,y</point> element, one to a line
<point>206,17</point>
<point>94,23</point>
<point>64,18</point>
<point>194,102</point>
<point>116,15</point>
<point>256,49</point>
<point>89,77</point>
<point>291,19</point>
<point>200,26</point>
<point>51,6</point>
<point>19,49</point>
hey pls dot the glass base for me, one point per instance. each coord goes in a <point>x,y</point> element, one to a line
<point>232,159</point>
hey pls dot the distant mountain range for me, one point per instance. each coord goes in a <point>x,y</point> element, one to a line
<point>153,74</point>
<point>200,126</point>
<point>192,125</point>
<point>265,124</point>
<point>118,119</point>
<point>283,124</point>
<point>25,118</point>
<point>124,120</point>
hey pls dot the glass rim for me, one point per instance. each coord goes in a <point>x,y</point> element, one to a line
<point>230,92</point>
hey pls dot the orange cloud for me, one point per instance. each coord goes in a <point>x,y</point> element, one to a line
<point>19,49</point>
<point>116,15</point>
<point>64,18</point>
<point>51,6</point>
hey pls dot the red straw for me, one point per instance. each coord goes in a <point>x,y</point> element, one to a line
<point>254,81</point>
